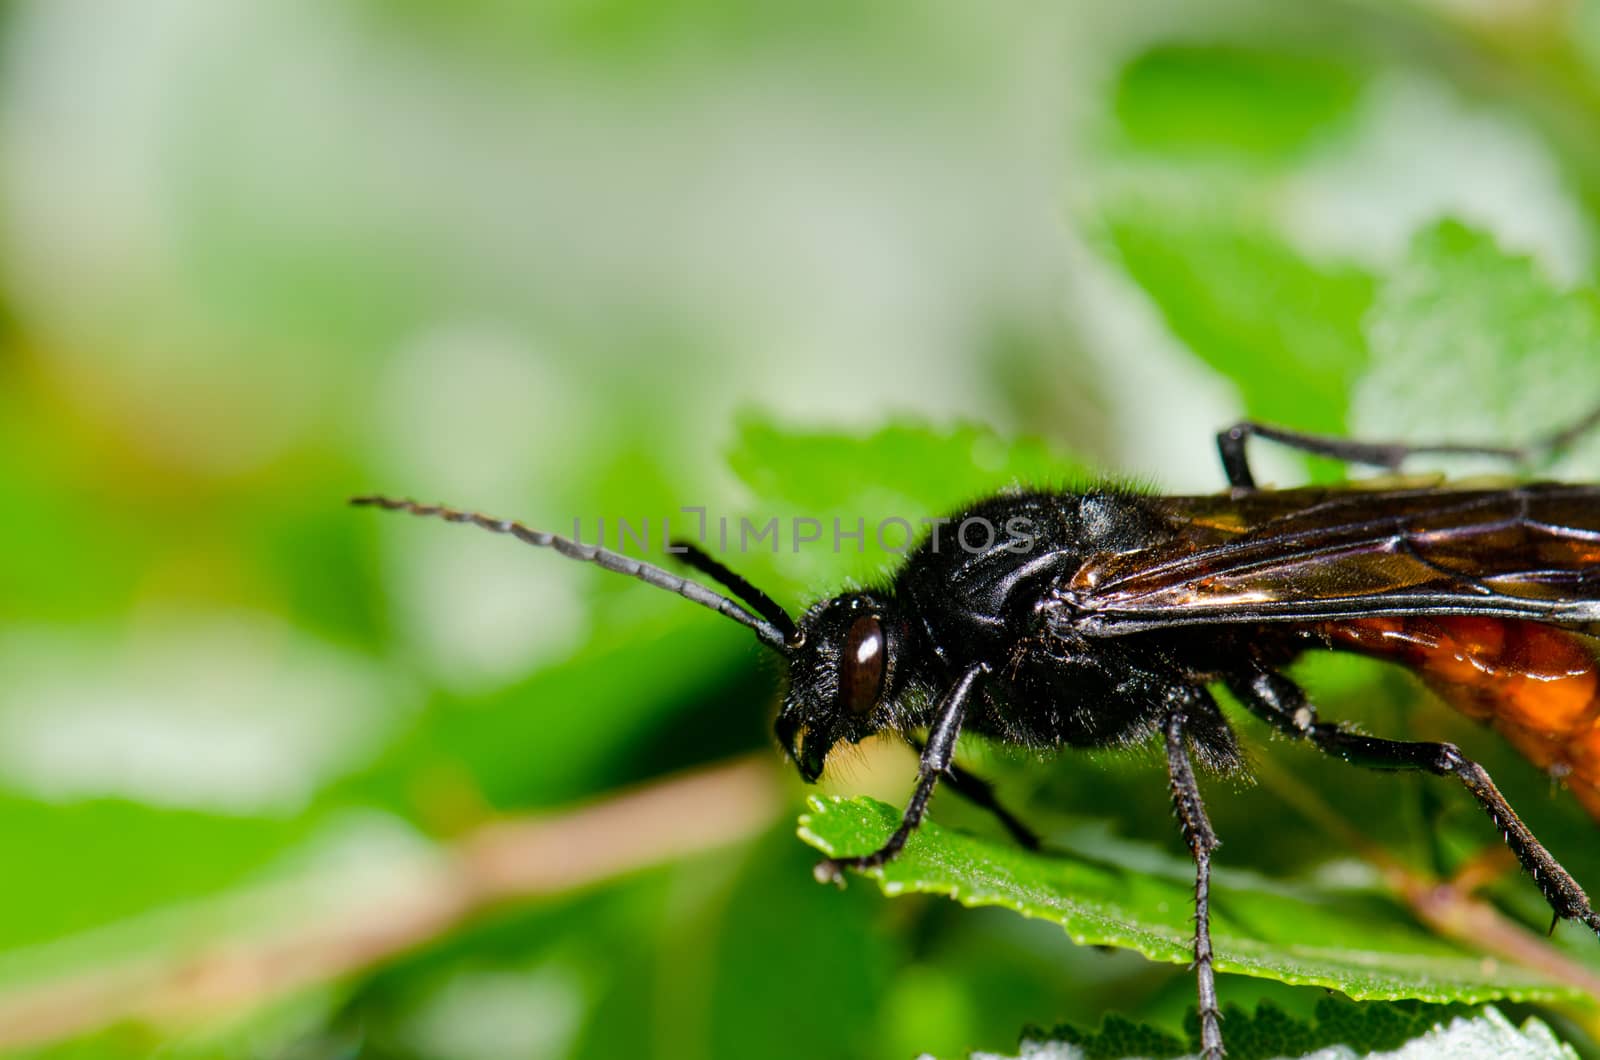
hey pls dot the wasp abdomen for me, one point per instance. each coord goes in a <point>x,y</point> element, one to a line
<point>1537,685</point>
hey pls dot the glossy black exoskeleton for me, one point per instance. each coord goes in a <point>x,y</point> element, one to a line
<point>1102,617</point>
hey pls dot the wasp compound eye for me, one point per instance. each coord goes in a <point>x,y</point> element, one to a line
<point>861,666</point>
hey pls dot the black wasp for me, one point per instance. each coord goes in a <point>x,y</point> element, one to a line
<point>1110,621</point>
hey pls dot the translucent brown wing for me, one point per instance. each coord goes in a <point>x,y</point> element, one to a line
<point>1529,552</point>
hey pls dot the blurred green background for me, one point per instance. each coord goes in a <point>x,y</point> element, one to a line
<point>586,258</point>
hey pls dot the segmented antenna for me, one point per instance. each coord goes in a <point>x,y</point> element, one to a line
<point>770,632</point>
<point>692,555</point>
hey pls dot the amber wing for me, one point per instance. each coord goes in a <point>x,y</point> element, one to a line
<point>1528,552</point>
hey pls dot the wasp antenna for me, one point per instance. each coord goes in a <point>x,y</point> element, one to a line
<point>769,632</point>
<point>692,555</point>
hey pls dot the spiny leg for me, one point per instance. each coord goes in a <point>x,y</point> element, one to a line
<point>1389,455</point>
<point>1202,841</point>
<point>1281,702</point>
<point>981,794</point>
<point>936,758</point>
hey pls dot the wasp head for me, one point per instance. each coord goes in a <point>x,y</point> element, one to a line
<point>843,678</point>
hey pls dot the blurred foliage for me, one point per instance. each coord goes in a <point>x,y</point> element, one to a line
<point>1188,99</point>
<point>1288,331</point>
<point>596,259</point>
<point>1268,1032</point>
<point>1496,338</point>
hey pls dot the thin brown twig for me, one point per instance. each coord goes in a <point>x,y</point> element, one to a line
<point>498,863</point>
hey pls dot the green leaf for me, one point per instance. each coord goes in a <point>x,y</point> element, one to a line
<point>905,471</point>
<point>1354,942</point>
<point>914,465</point>
<point>1207,99</point>
<point>630,680</point>
<point>827,993</point>
<point>1117,1037</point>
<point>1287,331</point>
<point>163,856</point>
<point>1401,1029</point>
<point>1470,343</point>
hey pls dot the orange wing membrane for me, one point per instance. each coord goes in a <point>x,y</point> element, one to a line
<point>1536,685</point>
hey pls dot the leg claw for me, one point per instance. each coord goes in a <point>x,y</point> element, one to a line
<point>830,870</point>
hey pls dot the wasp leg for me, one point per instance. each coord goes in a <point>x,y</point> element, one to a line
<point>980,793</point>
<point>1556,441</point>
<point>1389,455</point>
<point>936,758</point>
<point>1202,841</point>
<point>1281,702</point>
